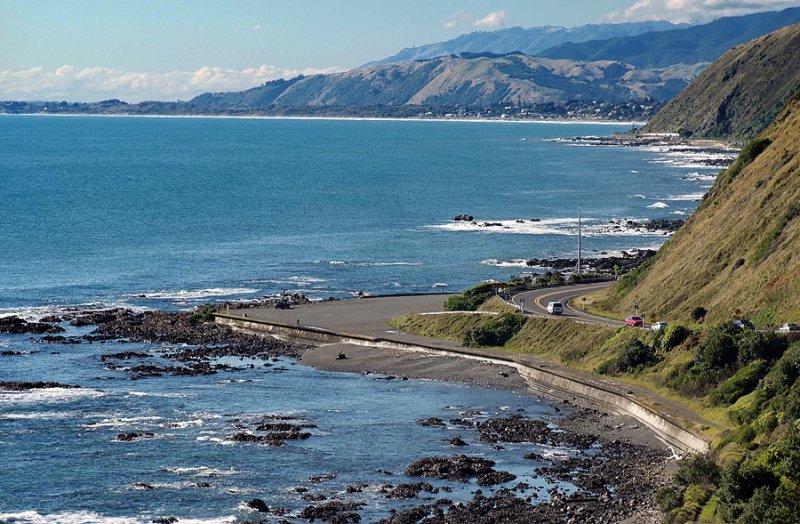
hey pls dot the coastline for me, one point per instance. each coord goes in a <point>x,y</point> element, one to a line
<point>401,364</point>
<point>345,118</point>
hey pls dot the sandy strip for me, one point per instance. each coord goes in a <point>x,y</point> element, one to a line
<point>422,365</point>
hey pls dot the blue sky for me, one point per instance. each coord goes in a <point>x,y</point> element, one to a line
<point>139,49</point>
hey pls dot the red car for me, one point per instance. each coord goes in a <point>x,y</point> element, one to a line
<point>634,321</point>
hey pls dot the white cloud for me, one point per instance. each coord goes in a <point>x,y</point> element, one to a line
<point>693,11</point>
<point>492,20</point>
<point>456,19</point>
<point>97,83</point>
<point>258,27</point>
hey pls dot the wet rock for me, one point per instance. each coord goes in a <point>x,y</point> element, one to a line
<point>143,486</point>
<point>335,512</point>
<point>457,441</point>
<point>125,355</point>
<point>165,520</point>
<point>431,422</point>
<point>459,467</point>
<point>258,505</point>
<point>517,428</point>
<point>26,386</point>
<point>51,319</point>
<point>314,497</point>
<point>60,339</point>
<point>10,353</point>
<point>129,437</point>
<point>495,477</point>
<point>16,325</point>
<point>463,218</point>
<point>316,479</point>
<point>410,491</point>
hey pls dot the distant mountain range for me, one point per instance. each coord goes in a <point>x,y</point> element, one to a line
<point>741,93</point>
<point>530,41</point>
<point>619,78</point>
<point>701,43</point>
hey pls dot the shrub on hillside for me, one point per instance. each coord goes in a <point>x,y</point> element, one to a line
<point>743,382</point>
<point>673,336</point>
<point>698,313</point>
<point>634,355</point>
<point>760,345</point>
<point>719,347</point>
<point>470,299</point>
<point>749,153</point>
<point>697,469</point>
<point>495,332</point>
<point>738,485</point>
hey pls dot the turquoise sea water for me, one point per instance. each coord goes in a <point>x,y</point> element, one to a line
<point>190,210</point>
<point>170,213</point>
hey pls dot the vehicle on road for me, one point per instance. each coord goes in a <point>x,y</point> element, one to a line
<point>658,326</point>
<point>743,323</point>
<point>555,308</point>
<point>789,327</point>
<point>632,320</point>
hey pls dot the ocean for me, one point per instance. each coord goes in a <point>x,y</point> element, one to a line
<point>169,213</point>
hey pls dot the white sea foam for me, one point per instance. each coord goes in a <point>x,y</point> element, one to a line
<point>700,177</point>
<point>658,205</point>
<point>679,212</point>
<point>200,471</point>
<point>158,395</point>
<point>79,517</point>
<point>518,262</point>
<point>48,395</point>
<point>639,196</point>
<point>356,263</point>
<point>691,197</point>
<point>194,294</point>
<point>37,312</point>
<point>216,440</point>
<point>121,422</point>
<point>40,415</point>
<point>565,226</point>
<point>183,424</point>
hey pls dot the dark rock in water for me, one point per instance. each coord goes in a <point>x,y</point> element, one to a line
<point>629,260</point>
<point>125,355</point>
<point>336,512</point>
<point>533,456</point>
<point>459,467</point>
<point>26,386</point>
<point>517,429</point>
<point>129,437</point>
<point>143,485</point>
<point>9,353</point>
<point>16,325</point>
<point>431,422</point>
<point>60,339</point>
<point>51,319</point>
<point>495,477</point>
<point>258,505</point>
<point>457,441</point>
<point>315,497</point>
<point>165,520</point>
<point>203,485</point>
<point>463,218</point>
<point>92,317</point>
<point>410,491</point>
<point>316,479</point>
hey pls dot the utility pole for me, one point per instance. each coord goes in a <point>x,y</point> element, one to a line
<point>580,241</point>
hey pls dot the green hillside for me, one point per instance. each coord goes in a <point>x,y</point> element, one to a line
<point>740,252</point>
<point>741,93</point>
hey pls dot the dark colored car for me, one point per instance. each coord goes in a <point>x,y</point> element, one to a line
<point>634,321</point>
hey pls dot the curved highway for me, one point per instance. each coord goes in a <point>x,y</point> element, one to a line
<point>535,302</point>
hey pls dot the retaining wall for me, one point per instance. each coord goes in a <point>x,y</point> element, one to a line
<point>541,378</point>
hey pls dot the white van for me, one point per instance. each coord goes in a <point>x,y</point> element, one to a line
<point>555,308</point>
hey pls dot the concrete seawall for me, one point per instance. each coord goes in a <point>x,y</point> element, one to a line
<point>548,379</point>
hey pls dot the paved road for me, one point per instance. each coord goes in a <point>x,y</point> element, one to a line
<point>535,302</point>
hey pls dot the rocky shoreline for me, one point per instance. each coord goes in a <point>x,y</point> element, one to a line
<point>615,470</point>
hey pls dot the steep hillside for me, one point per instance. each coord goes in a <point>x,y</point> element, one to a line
<point>740,252</point>
<point>468,80</point>
<point>741,93</point>
<point>701,43</point>
<point>528,41</point>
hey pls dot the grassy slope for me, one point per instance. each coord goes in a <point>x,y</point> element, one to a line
<point>741,93</point>
<point>738,251</point>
